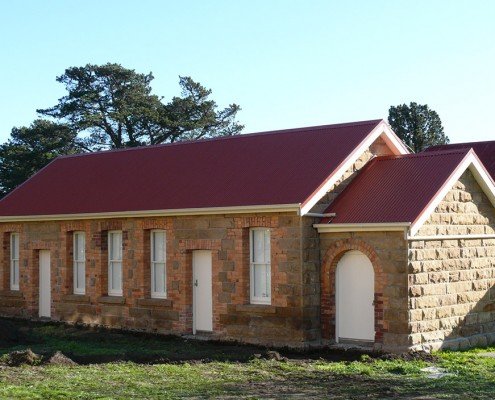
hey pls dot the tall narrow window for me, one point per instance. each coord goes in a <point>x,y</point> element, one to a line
<point>158,268</point>
<point>115,263</point>
<point>260,266</point>
<point>79,263</point>
<point>14,261</point>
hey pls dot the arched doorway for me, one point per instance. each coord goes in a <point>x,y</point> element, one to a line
<point>354,296</point>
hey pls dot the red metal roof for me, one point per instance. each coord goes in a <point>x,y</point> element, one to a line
<point>280,167</point>
<point>395,188</point>
<point>484,150</point>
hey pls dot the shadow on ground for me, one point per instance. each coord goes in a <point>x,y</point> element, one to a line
<point>95,345</point>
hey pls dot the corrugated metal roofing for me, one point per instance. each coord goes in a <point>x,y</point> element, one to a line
<point>484,150</point>
<point>280,167</point>
<point>395,188</point>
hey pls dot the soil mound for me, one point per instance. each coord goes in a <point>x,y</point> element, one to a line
<point>411,356</point>
<point>271,355</point>
<point>22,357</point>
<point>60,359</point>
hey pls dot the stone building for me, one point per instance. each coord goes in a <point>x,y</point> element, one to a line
<point>303,237</point>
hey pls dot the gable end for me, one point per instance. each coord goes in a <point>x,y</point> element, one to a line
<point>473,166</point>
<point>380,142</point>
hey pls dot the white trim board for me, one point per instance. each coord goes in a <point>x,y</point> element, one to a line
<point>382,129</point>
<point>471,162</point>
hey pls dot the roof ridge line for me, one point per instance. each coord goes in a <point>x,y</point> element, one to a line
<point>459,144</point>
<point>243,136</point>
<point>424,154</point>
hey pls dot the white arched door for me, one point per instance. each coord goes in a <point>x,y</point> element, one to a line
<point>355,288</point>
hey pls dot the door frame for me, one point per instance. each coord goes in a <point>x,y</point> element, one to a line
<point>42,281</point>
<point>337,300</point>
<point>194,295</point>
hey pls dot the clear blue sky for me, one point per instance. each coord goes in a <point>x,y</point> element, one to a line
<point>287,63</point>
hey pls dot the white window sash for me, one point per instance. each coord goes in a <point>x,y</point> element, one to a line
<point>255,265</point>
<point>79,264</point>
<point>14,261</point>
<point>156,263</point>
<point>113,264</point>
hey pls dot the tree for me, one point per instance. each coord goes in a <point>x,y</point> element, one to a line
<point>109,106</point>
<point>31,148</point>
<point>417,126</point>
<point>113,107</point>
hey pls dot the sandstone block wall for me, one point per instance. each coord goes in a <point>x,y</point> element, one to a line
<point>452,282</point>
<point>226,235</point>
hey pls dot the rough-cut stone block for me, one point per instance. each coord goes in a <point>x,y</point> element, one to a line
<point>438,277</point>
<point>427,302</point>
<point>415,291</point>
<point>437,289</point>
<point>459,287</point>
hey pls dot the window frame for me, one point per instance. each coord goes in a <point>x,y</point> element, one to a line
<point>76,263</point>
<point>14,271</point>
<point>153,262</point>
<point>252,265</point>
<point>111,262</point>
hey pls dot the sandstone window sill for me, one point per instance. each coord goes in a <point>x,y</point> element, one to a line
<point>111,300</point>
<point>11,293</point>
<point>156,303</point>
<point>76,298</point>
<point>256,308</point>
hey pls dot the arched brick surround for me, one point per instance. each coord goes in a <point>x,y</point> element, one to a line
<point>329,265</point>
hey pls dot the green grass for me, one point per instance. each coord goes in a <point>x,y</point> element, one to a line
<point>117,381</point>
<point>230,371</point>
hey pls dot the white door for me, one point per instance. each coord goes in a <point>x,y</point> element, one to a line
<point>355,283</point>
<point>202,291</point>
<point>45,301</point>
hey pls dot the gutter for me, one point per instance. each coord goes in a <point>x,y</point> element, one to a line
<point>368,227</point>
<point>157,213</point>
<point>451,237</point>
<point>320,215</point>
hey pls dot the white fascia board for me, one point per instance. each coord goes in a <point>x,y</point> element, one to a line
<point>483,178</point>
<point>481,175</point>
<point>382,129</point>
<point>393,141</point>
<point>368,227</point>
<point>157,213</point>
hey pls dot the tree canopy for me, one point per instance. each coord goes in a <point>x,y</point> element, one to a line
<point>110,106</point>
<point>31,148</point>
<point>417,125</point>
